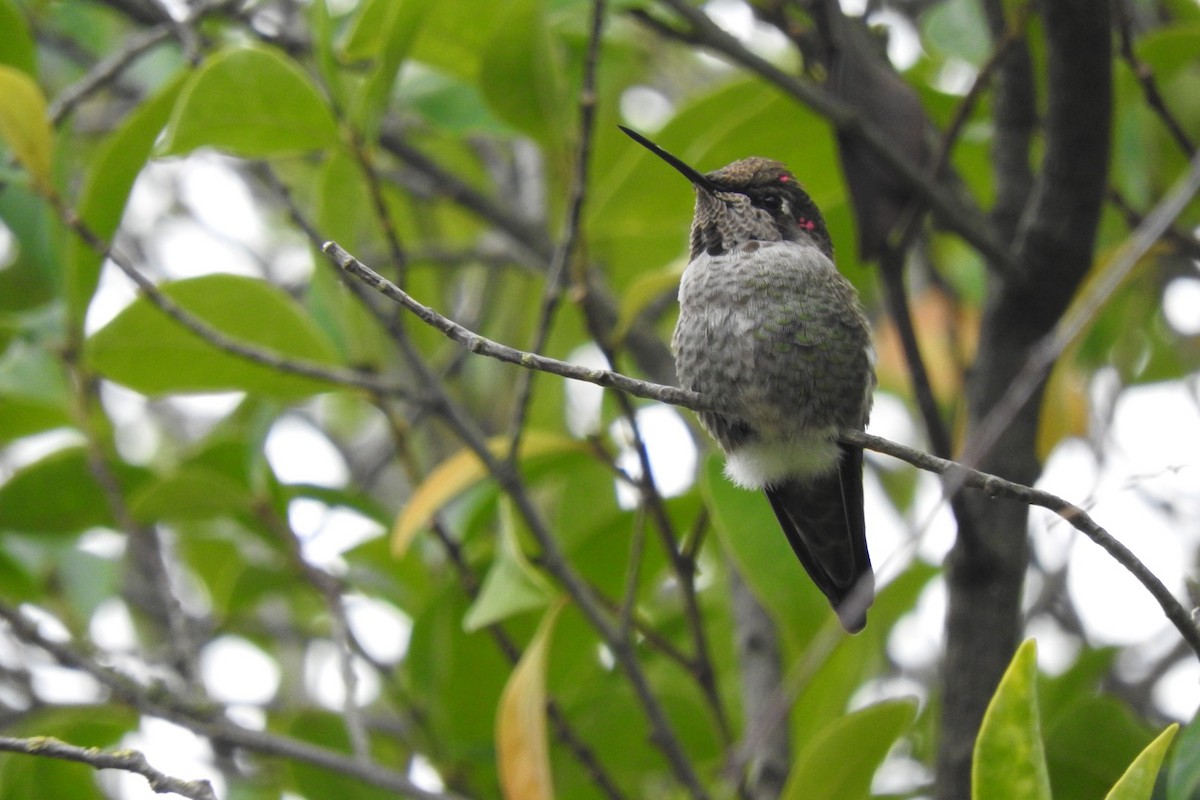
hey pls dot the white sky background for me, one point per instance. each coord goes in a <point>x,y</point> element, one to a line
<point>1143,489</point>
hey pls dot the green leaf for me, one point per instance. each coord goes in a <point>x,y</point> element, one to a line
<point>450,44</point>
<point>452,106</point>
<point>17,585</point>
<point>24,126</point>
<point>387,29</point>
<point>150,352</point>
<point>16,45</point>
<point>1060,695</point>
<point>854,660</point>
<point>87,580</point>
<point>322,25</point>
<point>106,188</point>
<point>521,74</point>
<point>840,761</point>
<point>512,584</point>
<point>78,501</point>
<point>749,533</point>
<point>953,29</point>
<point>1169,49</point>
<point>1089,743</point>
<point>1138,781</point>
<point>190,493</point>
<point>33,393</point>
<point>251,102</point>
<point>32,277</point>
<point>1009,763</point>
<point>327,730</point>
<point>1183,779</point>
<point>460,677</point>
<point>21,417</point>
<point>34,373</point>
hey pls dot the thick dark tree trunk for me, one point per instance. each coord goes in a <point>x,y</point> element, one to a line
<point>1055,236</point>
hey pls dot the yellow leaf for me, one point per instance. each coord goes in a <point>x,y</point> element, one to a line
<point>523,755</point>
<point>460,472</point>
<point>1064,406</point>
<point>946,336</point>
<point>24,125</point>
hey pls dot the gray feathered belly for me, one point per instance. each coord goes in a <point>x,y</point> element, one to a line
<point>778,337</point>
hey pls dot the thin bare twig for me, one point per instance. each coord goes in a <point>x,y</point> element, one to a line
<point>556,275</point>
<point>1146,80</point>
<point>957,475</point>
<point>563,729</point>
<point>108,70</point>
<point>221,340</point>
<point>206,720</point>
<point>553,559</point>
<point>331,592</point>
<point>1184,241</point>
<point>379,205</point>
<point>633,570</point>
<point>149,562</point>
<point>484,346</point>
<point>994,486</point>
<point>1082,312</point>
<point>127,760</point>
<point>901,240</point>
<point>682,565</point>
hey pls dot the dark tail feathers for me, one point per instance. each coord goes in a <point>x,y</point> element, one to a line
<point>823,520</point>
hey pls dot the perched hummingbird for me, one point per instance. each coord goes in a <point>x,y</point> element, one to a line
<point>771,331</point>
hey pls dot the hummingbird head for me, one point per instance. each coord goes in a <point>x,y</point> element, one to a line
<point>754,199</point>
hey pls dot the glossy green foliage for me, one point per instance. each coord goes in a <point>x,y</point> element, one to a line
<point>842,758</point>
<point>437,141</point>
<point>1009,760</point>
<point>1014,746</point>
<point>106,189</point>
<point>250,101</point>
<point>147,350</point>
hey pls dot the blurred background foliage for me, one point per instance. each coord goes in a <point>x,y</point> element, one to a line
<point>202,522</point>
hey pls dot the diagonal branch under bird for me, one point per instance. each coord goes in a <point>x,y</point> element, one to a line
<point>956,476</point>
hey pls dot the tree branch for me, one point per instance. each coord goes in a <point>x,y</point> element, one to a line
<point>128,760</point>
<point>1054,247</point>
<point>330,590</point>
<point>219,339</point>
<point>533,245</point>
<point>108,70</point>
<point>1015,115</point>
<point>512,652</point>
<point>484,346</point>
<point>206,720</point>
<point>1083,310</point>
<point>1146,80</point>
<point>557,274</point>
<point>958,474</point>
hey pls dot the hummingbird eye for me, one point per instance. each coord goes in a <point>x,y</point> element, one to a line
<point>772,202</point>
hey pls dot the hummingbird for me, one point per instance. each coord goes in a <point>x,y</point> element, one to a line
<point>775,336</point>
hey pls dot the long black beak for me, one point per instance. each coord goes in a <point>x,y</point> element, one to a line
<point>687,170</point>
